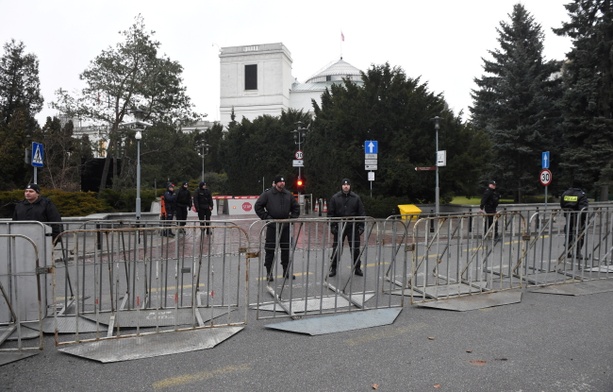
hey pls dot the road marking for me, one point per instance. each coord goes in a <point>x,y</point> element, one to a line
<point>173,382</point>
<point>385,333</point>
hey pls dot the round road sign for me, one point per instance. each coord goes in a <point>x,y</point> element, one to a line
<point>545,177</point>
<point>299,154</point>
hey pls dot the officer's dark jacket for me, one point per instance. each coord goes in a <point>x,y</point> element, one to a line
<point>203,199</point>
<point>184,198</point>
<point>574,199</point>
<point>346,204</point>
<point>170,200</point>
<point>273,204</point>
<point>489,201</point>
<point>42,210</point>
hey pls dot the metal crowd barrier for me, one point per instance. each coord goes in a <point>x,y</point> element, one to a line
<point>123,278</point>
<point>117,279</point>
<point>313,292</point>
<point>21,306</point>
<point>462,256</point>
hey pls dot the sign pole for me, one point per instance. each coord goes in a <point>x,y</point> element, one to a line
<point>436,188</point>
<point>37,159</point>
<point>545,176</point>
<point>371,151</point>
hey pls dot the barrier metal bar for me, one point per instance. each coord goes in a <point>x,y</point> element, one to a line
<point>137,281</point>
<point>16,275</point>
<point>396,234</point>
<point>455,259</point>
<point>533,250</point>
<point>313,292</point>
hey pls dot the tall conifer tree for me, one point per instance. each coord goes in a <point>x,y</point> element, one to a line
<point>588,95</point>
<point>515,103</point>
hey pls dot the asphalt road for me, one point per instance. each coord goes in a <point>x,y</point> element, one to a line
<point>544,343</point>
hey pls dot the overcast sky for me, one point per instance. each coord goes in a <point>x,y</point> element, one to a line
<point>440,41</point>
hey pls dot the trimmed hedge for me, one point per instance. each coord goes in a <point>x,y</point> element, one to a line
<point>381,208</point>
<point>68,203</point>
<point>86,203</point>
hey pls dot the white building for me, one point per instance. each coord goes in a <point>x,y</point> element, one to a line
<point>254,80</point>
<point>257,80</point>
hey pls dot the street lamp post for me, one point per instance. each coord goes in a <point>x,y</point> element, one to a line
<point>436,188</point>
<point>204,152</point>
<point>299,135</point>
<point>138,137</point>
<point>139,126</point>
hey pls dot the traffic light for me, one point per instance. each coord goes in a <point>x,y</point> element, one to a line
<point>299,184</point>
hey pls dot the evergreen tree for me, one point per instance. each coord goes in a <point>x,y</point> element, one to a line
<point>588,95</point>
<point>515,103</point>
<point>214,138</point>
<point>19,82</point>
<point>14,171</point>
<point>256,151</point>
<point>398,112</point>
<point>20,101</point>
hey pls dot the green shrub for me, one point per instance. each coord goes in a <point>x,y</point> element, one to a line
<point>125,200</point>
<point>381,207</point>
<point>68,203</point>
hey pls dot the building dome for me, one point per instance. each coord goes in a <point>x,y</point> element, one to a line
<point>336,72</point>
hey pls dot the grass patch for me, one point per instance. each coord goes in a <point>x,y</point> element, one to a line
<point>466,200</point>
<point>475,201</point>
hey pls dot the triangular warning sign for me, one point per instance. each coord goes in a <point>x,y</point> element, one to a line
<point>38,156</point>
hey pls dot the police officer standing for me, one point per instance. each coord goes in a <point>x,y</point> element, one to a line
<point>38,208</point>
<point>573,201</point>
<point>277,203</point>
<point>170,203</point>
<point>184,204</point>
<point>203,201</point>
<point>489,204</point>
<point>346,203</point>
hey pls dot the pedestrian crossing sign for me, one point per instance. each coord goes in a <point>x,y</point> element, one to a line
<point>38,154</point>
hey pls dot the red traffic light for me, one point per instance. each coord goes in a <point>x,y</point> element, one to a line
<point>299,182</point>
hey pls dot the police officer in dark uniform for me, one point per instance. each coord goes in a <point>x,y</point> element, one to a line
<point>170,202</point>
<point>277,203</point>
<point>38,208</point>
<point>203,201</point>
<point>346,203</point>
<point>184,204</point>
<point>489,204</point>
<point>573,201</point>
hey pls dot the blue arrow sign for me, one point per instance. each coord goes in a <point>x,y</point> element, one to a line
<point>38,154</point>
<point>371,147</point>
<point>545,159</point>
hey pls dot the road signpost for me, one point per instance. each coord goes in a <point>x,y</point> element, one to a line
<point>545,159</point>
<point>37,159</point>
<point>371,151</point>
<point>545,175</point>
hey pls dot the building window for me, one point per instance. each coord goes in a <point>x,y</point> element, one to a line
<point>251,77</point>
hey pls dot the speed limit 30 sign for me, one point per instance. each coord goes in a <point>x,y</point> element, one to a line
<point>545,177</point>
